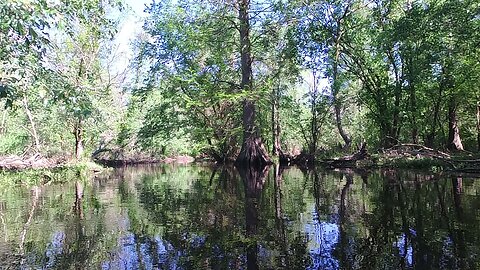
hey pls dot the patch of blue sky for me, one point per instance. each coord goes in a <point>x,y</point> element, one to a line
<point>405,248</point>
<point>323,237</point>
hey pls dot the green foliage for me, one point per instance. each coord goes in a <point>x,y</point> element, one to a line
<point>55,83</point>
<point>384,71</point>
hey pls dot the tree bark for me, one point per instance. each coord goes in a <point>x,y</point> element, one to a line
<point>253,152</point>
<point>396,125</point>
<point>78,133</point>
<point>454,141</point>
<point>430,139</point>
<point>313,123</point>
<point>337,104</point>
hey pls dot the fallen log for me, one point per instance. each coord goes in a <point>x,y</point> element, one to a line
<point>349,161</point>
<point>35,162</point>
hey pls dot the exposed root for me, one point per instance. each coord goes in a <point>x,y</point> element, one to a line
<point>253,154</point>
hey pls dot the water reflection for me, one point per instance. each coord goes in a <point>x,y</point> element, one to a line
<point>194,217</point>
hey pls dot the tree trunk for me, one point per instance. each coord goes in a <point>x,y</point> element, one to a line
<point>253,152</point>
<point>313,127</point>
<point>78,133</point>
<point>314,124</point>
<point>454,141</point>
<point>337,104</point>
<point>32,124</point>
<point>396,126</point>
<point>276,150</point>
<point>413,98</point>
<point>338,117</point>
<point>413,112</point>
<point>430,139</point>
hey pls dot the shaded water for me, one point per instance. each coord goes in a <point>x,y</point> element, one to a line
<point>194,217</point>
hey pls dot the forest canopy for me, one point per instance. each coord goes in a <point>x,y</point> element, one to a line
<point>240,80</point>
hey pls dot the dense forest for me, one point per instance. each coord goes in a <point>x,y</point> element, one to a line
<point>240,80</point>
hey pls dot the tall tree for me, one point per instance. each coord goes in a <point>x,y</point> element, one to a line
<point>253,152</point>
<point>79,66</point>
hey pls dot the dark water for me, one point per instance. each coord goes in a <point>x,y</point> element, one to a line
<point>193,217</point>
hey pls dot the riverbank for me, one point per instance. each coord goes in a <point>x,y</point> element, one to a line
<point>61,173</point>
<point>38,170</point>
<point>404,156</point>
<point>411,156</point>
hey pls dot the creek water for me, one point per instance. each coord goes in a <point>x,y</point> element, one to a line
<point>199,217</point>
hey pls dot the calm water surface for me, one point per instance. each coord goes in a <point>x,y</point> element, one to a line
<point>195,217</point>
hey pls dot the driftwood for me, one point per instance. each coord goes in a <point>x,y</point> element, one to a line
<point>349,161</point>
<point>446,160</point>
<point>359,155</point>
<point>35,162</point>
<point>415,150</point>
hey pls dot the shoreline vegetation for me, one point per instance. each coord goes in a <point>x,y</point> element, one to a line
<point>402,156</point>
<point>251,83</point>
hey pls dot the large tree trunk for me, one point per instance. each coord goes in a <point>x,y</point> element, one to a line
<point>454,141</point>
<point>337,104</point>
<point>338,117</point>
<point>253,152</point>
<point>78,133</point>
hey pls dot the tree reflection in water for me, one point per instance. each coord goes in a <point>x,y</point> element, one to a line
<point>253,180</point>
<point>194,217</point>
